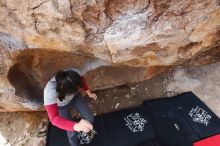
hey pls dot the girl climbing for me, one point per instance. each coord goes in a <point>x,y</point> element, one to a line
<point>60,94</point>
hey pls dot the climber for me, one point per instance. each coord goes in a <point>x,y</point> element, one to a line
<point>63,92</point>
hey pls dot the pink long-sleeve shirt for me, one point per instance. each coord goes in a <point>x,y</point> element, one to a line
<point>51,103</point>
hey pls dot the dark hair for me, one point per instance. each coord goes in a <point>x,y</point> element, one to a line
<point>68,82</point>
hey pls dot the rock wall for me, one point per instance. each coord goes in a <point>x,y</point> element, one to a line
<point>114,42</point>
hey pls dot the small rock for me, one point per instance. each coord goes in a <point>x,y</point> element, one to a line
<point>133,88</point>
<point>117,105</point>
<point>170,93</point>
<point>127,96</point>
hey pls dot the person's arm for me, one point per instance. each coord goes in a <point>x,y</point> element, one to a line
<point>64,124</point>
<point>56,120</point>
<point>85,84</point>
<point>86,89</point>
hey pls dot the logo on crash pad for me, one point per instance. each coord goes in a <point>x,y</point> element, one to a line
<point>135,122</point>
<point>199,115</point>
<point>86,138</point>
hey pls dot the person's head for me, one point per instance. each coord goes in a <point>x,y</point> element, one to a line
<point>68,82</point>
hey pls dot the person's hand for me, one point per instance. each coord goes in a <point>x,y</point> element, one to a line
<point>83,126</point>
<point>92,95</point>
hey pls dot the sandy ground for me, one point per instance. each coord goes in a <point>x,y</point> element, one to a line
<point>21,129</point>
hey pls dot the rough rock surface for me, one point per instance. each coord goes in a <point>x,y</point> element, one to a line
<point>131,39</point>
<point>21,128</point>
<point>203,81</point>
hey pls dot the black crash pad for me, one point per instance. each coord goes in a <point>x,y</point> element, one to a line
<point>56,136</point>
<point>153,142</point>
<point>177,121</point>
<point>129,127</point>
<point>182,119</point>
<point>201,119</point>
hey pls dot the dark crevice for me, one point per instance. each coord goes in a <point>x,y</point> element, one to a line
<point>25,84</point>
<point>40,5</point>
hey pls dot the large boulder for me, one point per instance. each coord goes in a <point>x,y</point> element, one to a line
<point>114,42</point>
